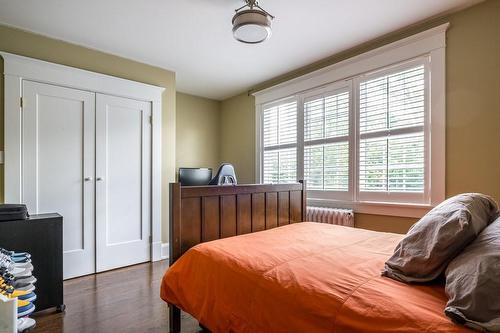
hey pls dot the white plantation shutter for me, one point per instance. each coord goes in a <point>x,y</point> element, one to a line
<point>391,134</point>
<point>357,140</point>
<point>279,140</point>
<point>326,141</point>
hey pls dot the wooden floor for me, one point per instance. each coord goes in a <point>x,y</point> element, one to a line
<point>124,300</point>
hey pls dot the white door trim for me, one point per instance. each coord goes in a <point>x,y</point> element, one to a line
<point>18,68</point>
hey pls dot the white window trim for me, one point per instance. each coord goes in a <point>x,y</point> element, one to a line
<point>430,43</point>
<point>327,90</point>
<point>406,198</point>
<point>18,68</point>
<point>260,125</point>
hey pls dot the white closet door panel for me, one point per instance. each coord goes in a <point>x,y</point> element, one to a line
<point>58,155</point>
<point>124,160</point>
<point>123,188</point>
<point>60,163</point>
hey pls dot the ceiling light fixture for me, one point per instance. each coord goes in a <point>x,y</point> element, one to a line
<point>251,23</point>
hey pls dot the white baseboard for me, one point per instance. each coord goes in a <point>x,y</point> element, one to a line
<point>156,251</point>
<point>165,250</point>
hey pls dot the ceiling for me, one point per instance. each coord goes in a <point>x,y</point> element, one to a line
<point>194,38</point>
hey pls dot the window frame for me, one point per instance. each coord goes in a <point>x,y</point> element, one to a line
<point>328,90</point>
<point>276,147</point>
<point>396,197</point>
<point>428,46</point>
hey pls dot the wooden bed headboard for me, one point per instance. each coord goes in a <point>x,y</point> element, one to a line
<point>203,213</point>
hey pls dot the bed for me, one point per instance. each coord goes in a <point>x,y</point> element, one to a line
<point>278,275</point>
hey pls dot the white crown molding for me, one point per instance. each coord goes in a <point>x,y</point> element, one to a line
<point>399,51</point>
<point>43,71</point>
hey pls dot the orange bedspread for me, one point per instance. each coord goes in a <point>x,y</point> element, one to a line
<point>304,277</point>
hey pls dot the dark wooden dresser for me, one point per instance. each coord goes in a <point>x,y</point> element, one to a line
<point>42,237</point>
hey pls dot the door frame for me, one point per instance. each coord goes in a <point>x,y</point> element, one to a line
<point>18,68</point>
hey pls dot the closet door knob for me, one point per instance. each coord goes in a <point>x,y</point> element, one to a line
<point>99,179</point>
<point>88,179</point>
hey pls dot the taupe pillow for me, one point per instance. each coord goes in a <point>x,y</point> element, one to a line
<point>473,282</point>
<point>439,236</point>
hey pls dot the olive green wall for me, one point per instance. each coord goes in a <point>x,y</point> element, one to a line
<point>226,129</point>
<point>48,49</point>
<point>237,140</point>
<point>198,131</point>
<point>473,108</point>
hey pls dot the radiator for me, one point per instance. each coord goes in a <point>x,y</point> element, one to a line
<point>336,216</point>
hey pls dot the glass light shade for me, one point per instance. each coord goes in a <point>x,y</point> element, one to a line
<point>251,26</point>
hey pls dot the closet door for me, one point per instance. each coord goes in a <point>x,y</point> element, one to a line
<point>123,183</point>
<point>58,154</point>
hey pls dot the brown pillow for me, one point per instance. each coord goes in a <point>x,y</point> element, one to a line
<point>473,282</point>
<point>439,236</point>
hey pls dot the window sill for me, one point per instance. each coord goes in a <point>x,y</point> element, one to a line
<point>375,208</point>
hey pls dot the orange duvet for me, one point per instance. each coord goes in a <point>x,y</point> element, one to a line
<point>304,277</point>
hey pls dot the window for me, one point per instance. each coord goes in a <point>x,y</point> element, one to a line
<point>311,136</point>
<point>391,135</point>
<point>360,131</point>
<point>326,141</point>
<point>280,142</point>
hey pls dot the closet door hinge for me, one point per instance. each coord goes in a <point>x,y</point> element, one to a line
<point>151,120</point>
<point>21,102</point>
